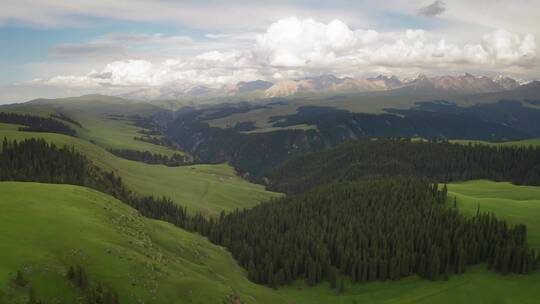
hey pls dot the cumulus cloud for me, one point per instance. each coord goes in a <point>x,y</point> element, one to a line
<point>509,48</point>
<point>294,47</point>
<point>293,42</point>
<point>306,43</point>
<point>434,9</point>
<point>211,69</point>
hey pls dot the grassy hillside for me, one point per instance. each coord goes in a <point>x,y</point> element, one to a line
<point>526,142</point>
<point>516,204</point>
<point>96,114</point>
<point>206,188</point>
<point>52,227</point>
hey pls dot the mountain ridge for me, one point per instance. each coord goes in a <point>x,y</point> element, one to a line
<point>328,83</point>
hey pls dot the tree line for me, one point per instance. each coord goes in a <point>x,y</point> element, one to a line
<point>94,293</point>
<point>39,161</point>
<point>440,161</point>
<point>148,157</point>
<point>36,123</point>
<point>65,117</point>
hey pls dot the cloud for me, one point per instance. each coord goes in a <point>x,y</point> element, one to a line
<point>203,14</point>
<point>217,36</point>
<point>295,43</point>
<point>116,46</point>
<point>144,38</point>
<point>292,42</point>
<point>434,9</point>
<point>294,47</point>
<point>93,50</point>
<point>509,48</point>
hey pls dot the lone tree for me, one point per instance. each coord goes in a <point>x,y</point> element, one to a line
<point>19,279</point>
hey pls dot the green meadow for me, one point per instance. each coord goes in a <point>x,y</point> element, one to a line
<point>105,120</point>
<point>524,143</point>
<point>205,188</point>
<point>52,227</point>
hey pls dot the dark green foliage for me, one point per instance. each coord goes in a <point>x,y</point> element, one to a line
<point>36,160</point>
<point>36,123</point>
<point>438,161</point>
<point>32,297</point>
<point>244,126</point>
<point>94,293</point>
<point>19,280</point>
<point>256,153</point>
<point>370,230</point>
<point>152,158</point>
<point>64,117</point>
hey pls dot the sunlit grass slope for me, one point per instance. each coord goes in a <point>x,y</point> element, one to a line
<point>206,188</point>
<point>47,228</point>
<point>516,204</point>
<point>100,119</point>
<point>526,142</point>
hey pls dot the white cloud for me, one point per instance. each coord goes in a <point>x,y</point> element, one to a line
<point>307,43</point>
<point>145,38</point>
<point>293,42</point>
<point>506,47</point>
<point>294,47</point>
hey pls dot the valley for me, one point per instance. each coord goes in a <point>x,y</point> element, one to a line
<point>269,152</point>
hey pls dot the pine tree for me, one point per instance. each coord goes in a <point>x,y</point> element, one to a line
<point>32,296</point>
<point>342,286</point>
<point>71,274</point>
<point>20,280</point>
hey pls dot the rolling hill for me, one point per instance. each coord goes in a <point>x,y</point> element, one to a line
<point>152,260</point>
<point>205,188</point>
<point>145,261</point>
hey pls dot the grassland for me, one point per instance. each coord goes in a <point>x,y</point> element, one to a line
<point>52,227</point>
<point>516,204</point>
<point>205,188</point>
<point>101,120</point>
<point>520,143</point>
<point>116,133</point>
<point>359,103</point>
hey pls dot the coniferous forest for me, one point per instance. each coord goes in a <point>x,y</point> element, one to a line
<point>437,161</point>
<point>151,158</point>
<point>376,229</point>
<point>381,229</point>
<point>38,124</point>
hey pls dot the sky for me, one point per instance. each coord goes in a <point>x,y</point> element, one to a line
<point>58,48</point>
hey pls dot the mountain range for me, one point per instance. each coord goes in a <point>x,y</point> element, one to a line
<point>419,85</point>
